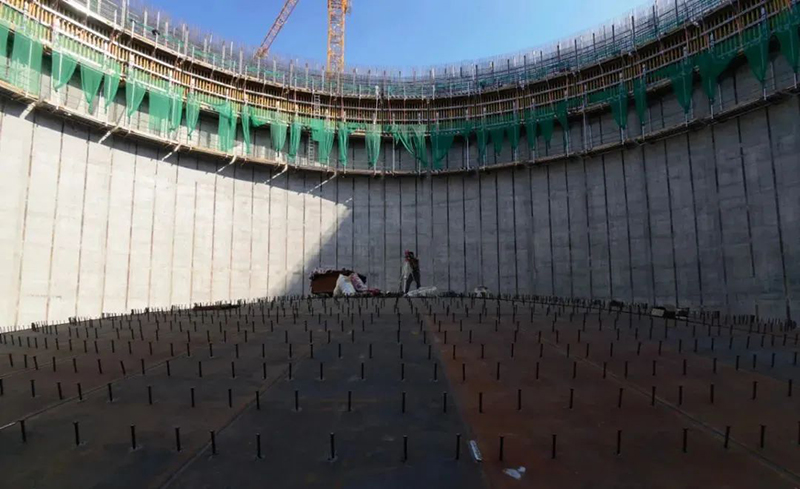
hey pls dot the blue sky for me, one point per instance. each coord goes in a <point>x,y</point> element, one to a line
<point>405,33</point>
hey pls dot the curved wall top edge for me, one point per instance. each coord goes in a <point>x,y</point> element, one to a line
<point>396,119</point>
<point>610,39</point>
<point>646,21</point>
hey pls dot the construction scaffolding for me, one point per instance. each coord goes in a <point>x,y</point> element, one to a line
<point>695,37</point>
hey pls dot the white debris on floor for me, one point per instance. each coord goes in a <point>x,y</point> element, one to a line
<point>515,473</point>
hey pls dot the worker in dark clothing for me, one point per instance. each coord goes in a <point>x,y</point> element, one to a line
<point>410,272</point>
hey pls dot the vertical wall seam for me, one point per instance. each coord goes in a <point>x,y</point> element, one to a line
<point>233,229</point>
<point>671,226</point>
<point>302,234</point>
<point>416,221</point>
<point>608,228</point>
<point>213,237</point>
<point>54,226</point>
<point>532,233</point>
<point>173,226</point>
<point>152,230</point>
<point>744,181</point>
<point>25,218</point>
<point>550,233</point>
<point>480,227</point>
<point>627,225</point>
<point>778,222</point>
<point>336,220</point>
<point>569,230</point>
<point>746,198</point>
<point>588,225</point>
<point>497,225</point>
<point>694,219</point>
<point>721,246</point>
<point>464,234</point>
<point>83,219</point>
<point>514,227</point>
<point>352,224</point>
<point>400,215</point>
<point>108,225</point>
<point>286,233</point>
<point>130,231</point>
<point>269,226</point>
<point>194,234</point>
<point>649,227</point>
<point>383,199</point>
<point>447,213</point>
<point>369,223</point>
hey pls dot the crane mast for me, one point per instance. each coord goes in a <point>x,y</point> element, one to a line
<point>337,11</point>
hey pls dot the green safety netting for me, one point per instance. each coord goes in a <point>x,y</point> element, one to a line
<point>545,121</point>
<point>246,124</point>
<point>481,138</point>
<point>496,135</point>
<point>464,129</point>
<point>277,134</point>
<point>322,133</point>
<point>512,132</point>
<point>412,137</point>
<point>418,141</point>
<point>755,42</point>
<point>26,63</point>
<point>62,69</point>
<point>640,97</point>
<point>294,138</point>
<point>111,83</point>
<point>25,72</point>
<point>680,74</point>
<point>503,127</point>
<point>158,109</point>
<point>786,30</point>
<point>373,142</point>
<point>711,63</point>
<point>560,110</point>
<point>134,94</point>
<point>252,118</point>
<point>547,126</point>
<point>343,132</point>
<point>175,109</point>
<point>617,99</point>
<point>3,45</point>
<point>192,113</point>
<point>90,82</point>
<point>400,133</point>
<point>531,123</point>
<point>441,142</point>
<point>226,130</point>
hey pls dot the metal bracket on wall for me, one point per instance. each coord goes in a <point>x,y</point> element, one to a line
<point>173,151</point>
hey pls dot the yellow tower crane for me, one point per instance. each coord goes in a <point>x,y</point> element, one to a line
<point>337,10</point>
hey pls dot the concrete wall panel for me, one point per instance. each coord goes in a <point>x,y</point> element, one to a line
<point>700,219</point>
<point>94,228</point>
<point>184,231</point>
<point>66,255</point>
<point>296,282</point>
<point>506,234</point>
<point>560,230</point>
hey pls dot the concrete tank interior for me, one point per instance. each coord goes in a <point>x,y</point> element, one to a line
<point>700,212</point>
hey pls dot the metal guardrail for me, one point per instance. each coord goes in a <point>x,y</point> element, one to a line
<point>604,42</point>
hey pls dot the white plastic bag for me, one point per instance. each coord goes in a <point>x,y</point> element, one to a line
<point>424,292</point>
<point>343,287</point>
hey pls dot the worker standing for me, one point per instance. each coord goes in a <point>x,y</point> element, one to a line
<point>410,272</point>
